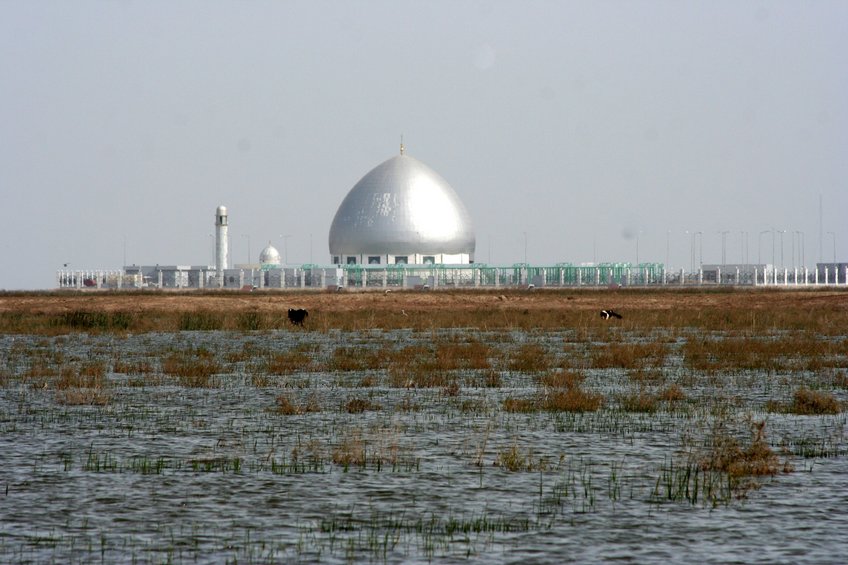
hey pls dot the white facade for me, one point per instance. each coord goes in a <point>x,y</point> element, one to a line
<point>221,250</point>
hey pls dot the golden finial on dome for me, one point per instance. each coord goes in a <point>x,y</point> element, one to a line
<point>401,144</point>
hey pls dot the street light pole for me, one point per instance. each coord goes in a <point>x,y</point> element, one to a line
<point>802,253</point>
<point>700,248</point>
<point>525,247</point>
<point>724,246</point>
<point>248,247</point>
<point>772,248</point>
<point>637,248</point>
<point>760,247</point>
<point>691,250</point>
<point>781,232</point>
<point>285,248</point>
<point>833,235</point>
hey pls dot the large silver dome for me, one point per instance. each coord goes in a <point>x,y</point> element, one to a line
<point>402,207</point>
<point>270,256</point>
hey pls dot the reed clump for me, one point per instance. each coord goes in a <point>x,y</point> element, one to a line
<point>346,359</point>
<point>472,355</point>
<point>840,379</point>
<point>530,358</point>
<point>193,371</point>
<point>285,406</point>
<point>250,321</point>
<point>639,402</point>
<point>140,367</point>
<point>727,455</point>
<point>629,355</point>
<point>93,321</point>
<point>520,405</point>
<point>573,399</point>
<point>358,405</point>
<point>86,385</point>
<point>40,368</point>
<point>202,320</point>
<point>562,379</point>
<point>762,351</point>
<point>90,375</point>
<point>451,389</point>
<point>812,402</point>
<point>419,367</point>
<point>287,362</point>
<point>673,393</point>
<point>514,459</point>
<point>350,451</point>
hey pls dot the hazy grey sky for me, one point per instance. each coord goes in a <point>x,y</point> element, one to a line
<point>124,124</point>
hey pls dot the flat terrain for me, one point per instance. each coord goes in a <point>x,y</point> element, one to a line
<point>442,426</point>
<point>438,300</point>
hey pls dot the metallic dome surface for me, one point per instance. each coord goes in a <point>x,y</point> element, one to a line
<point>269,256</point>
<point>401,207</point>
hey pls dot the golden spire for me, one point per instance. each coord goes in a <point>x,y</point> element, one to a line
<point>401,144</point>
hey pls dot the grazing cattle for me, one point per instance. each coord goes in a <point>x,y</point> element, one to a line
<point>296,317</point>
<point>607,314</point>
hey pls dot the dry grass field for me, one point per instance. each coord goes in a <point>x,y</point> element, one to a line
<point>822,310</point>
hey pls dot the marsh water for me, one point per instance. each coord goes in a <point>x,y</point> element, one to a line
<point>143,464</point>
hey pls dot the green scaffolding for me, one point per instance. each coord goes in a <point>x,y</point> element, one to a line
<point>478,274</point>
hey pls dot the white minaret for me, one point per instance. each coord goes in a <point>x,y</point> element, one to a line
<point>221,256</point>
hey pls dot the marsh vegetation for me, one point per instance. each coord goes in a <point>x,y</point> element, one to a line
<point>511,433</point>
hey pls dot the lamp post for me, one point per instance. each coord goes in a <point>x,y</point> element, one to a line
<point>490,249</point>
<point>781,232</point>
<point>691,250</point>
<point>248,247</point>
<point>667,237</point>
<point>760,247</point>
<point>700,235</point>
<point>794,235</point>
<point>637,248</point>
<point>285,248</point>
<point>724,246</point>
<point>212,239</point>
<point>525,247</point>
<point>833,235</point>
<point>802,251</point>
<point>772,247</point>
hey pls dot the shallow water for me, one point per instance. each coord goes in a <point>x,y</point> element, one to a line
<point>168,473</point>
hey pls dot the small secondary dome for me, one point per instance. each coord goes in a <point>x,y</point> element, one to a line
<point>269,256</point>
<point>402,209</point>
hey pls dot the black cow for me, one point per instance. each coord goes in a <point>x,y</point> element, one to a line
<point>607,314</point>
<point>296,317</point>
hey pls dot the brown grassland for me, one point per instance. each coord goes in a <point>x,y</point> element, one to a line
<point>824,311</point>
